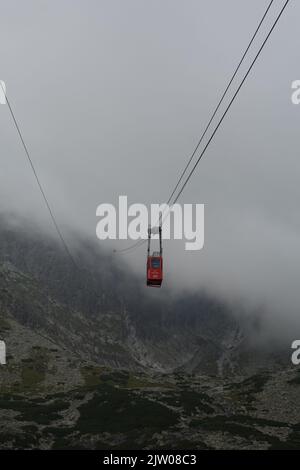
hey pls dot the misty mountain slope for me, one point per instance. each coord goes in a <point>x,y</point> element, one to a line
<point>102,312</point>
<point>94,363</point>
<point>111,337</point>
<point>35,362</point>
<point>97,312</point>
<point>23,298</point>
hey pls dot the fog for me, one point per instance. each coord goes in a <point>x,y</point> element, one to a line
<point>112,97</point>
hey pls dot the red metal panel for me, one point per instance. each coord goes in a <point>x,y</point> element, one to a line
<point>154,271</point>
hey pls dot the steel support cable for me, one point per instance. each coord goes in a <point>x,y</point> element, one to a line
<point>141,242</point>
<point>38,180</point>
<point>231,101</point>
<point>220,101</point>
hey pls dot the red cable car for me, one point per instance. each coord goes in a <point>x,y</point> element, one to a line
<point>154,263</point>
<point>154,270</point>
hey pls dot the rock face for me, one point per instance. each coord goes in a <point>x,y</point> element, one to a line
<point>52,399</point>
<point>94,361</point>
<point>101,314</point>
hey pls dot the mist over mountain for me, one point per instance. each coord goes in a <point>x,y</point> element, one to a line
<point>103,311</point>
<point>96,361</point>
<point>109,108</point>
<point>106,101</point>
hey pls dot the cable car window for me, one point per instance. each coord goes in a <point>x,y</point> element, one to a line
<point>155,263</point>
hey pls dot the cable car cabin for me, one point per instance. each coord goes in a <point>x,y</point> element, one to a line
<point>154,270</point>
<point>155,262</point>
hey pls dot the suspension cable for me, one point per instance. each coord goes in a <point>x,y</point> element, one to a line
<point>141,242</point>
<point>56,226</point>
<point>231,101</point>
<point>220,101</point>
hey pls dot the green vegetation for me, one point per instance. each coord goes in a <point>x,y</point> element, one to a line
<point>193,401</point>
<point>241,426</point>
<point>31,411</point>
<point>117,410</point>
<point>139,382</point>
<point>91,375</point>
<point>4,324</point>
<point>34,368</point>
<point>248,388</point>
<point>295,380</point>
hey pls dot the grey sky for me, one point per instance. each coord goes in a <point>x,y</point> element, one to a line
<point>112,97</point>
